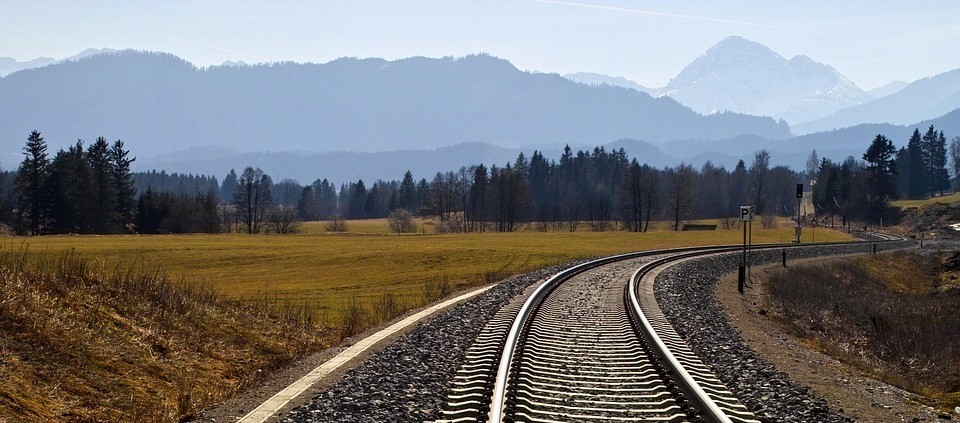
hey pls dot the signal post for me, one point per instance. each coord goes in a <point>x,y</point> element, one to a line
<point>746,217</point>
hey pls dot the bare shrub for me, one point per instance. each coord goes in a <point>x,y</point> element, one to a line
<point>353,316</point>
<point>436,288</point>
<point>768,221</point>
<point>283,220</point>
<point>336,224</point>
<point>387,307</point>
<point>401,222</point>
<point>728,223</point>
<point>599,225</point>
<point>907,337</point>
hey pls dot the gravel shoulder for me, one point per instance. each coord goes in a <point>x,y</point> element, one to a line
<point>846,390</point>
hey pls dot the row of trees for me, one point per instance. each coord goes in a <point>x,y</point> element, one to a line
<point>922,164</point>
<point>91,190</point>
<point>79,191</point>
<point>862,189</point>
<point>594,187</point>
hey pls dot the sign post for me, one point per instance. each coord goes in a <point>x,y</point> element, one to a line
<point>746,216</point>
<point>799,198</point>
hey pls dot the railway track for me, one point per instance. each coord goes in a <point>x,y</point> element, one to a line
<point>591,344</point>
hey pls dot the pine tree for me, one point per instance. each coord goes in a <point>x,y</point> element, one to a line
<point>408,193</point>
<point>917,187</point>
<point>936,146</point>
<point>102,189</point>
<point>123,184</point>
<point>69,187</point>
<point>358,200</point>
<point>229,186</point>
<point>903,168</point>
<point>31,183</point>
<point>881,174</point>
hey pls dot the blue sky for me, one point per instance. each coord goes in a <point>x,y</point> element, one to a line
<point>871,42</point>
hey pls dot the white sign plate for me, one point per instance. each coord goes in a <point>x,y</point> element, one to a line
<point>746,213</point>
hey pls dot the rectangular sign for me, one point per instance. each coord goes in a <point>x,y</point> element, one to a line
<point>746,213</point>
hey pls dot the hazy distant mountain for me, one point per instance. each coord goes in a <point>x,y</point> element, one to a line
<point>158,103</point>
<point>887,89</point>
<point>237,63</point>
<point>746,77</point>
<point>836,144</point>
<point>922,99</point>
<point>590,78</point>
<point>342,166</point>
<point>10,65</point>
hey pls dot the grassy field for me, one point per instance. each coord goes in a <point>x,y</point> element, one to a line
<point>946,199</point>
<point>92,330</point>
<point>325,270</point>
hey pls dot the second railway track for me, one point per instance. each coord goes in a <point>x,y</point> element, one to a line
<point>591,344</point>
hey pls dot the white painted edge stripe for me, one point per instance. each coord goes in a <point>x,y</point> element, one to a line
<point>280,399</point>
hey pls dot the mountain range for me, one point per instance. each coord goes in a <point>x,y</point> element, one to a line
<point>10,65</point>
<point>916,101</point>
<point>747,77</point>
<point>372,118</point>
<point>158,103</point>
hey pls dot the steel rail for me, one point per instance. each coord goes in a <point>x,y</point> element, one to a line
<point>704,404</point>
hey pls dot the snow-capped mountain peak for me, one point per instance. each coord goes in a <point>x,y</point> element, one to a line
<point>744,76</point>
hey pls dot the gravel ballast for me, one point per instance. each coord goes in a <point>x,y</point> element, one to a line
<point>685,294</point>
<point>407,381</point>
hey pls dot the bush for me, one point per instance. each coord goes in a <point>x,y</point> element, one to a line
<point>401,222</point>
<point>336,224</point>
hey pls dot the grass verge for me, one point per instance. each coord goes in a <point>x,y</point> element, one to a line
<point>83,342</point>
<point>946,199</point>
<point>892,315</point>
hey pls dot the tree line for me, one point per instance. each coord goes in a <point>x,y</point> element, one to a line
<point>90,189</point>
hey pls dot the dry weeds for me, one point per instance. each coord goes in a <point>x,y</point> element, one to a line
<point>81,342</point>
<point>886,314</point>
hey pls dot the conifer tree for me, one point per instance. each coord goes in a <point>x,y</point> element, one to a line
<point>104,196</point>
<point>228,186</point>
<point>935,145</point>
<point>30,184</point>
<point>918,183</point>
<point>123,185</point>
<point>69,186</point>
<point>408,193</point>
<point>881,174</point>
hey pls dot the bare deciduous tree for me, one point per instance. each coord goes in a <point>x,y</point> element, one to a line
<point>401,222</point>
<point>283,220</point>
<point>758,180</point>
<point>680,193</point>
<point>336,224</point>
<point>252,197</point>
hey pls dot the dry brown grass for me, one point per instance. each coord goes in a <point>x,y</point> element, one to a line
<point>83,343</point>
<point>885,314</point>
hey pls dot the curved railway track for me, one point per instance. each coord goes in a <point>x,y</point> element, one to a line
<point>591,344</point>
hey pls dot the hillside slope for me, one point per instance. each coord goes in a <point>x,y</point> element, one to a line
<point>922,99</point>
<point>158,103</point>
<point>81,343</point>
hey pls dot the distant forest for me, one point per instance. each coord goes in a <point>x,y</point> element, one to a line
<point>91,190</point>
